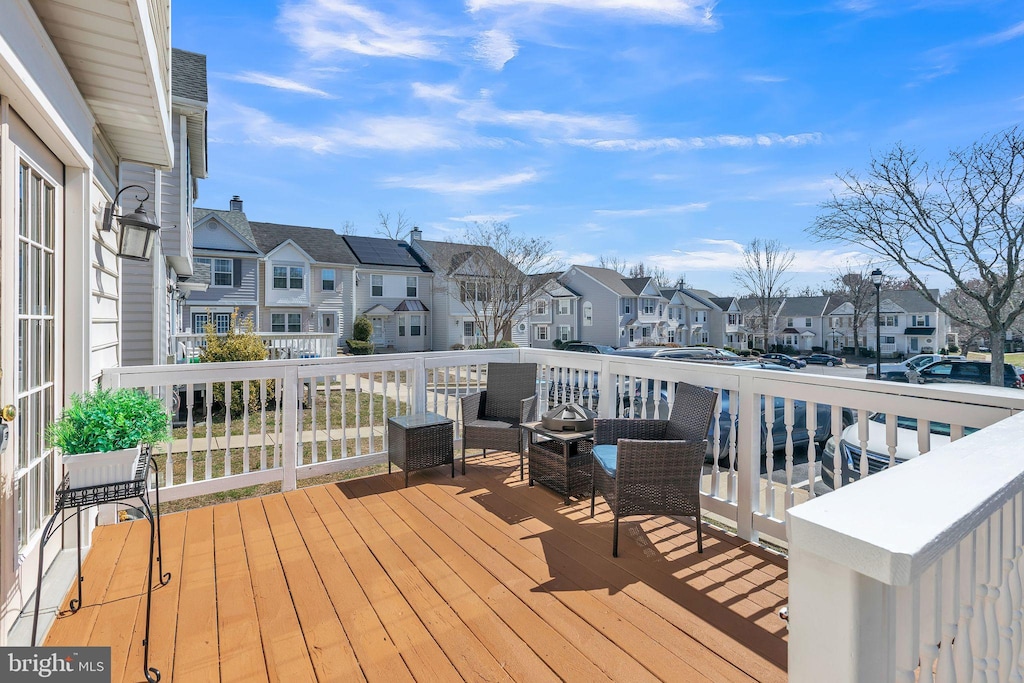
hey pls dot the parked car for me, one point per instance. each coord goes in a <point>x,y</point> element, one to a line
<point>783,359</point>
<point>665,352</point>
<point>897,372</point>
<point>849,447</point>
<point>963,372</point>
<point>823,359</point>
<point>587,347</point>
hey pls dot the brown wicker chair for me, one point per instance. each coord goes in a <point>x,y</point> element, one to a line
<point>653,467</point>
<point>491,418</point>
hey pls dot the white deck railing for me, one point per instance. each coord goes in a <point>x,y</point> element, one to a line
<point>279,345</point>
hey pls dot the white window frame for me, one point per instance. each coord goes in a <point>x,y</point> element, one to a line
<point>542,307</point>
<point>627,306</point>
<point>564,306</point>
<point>412,290</point>
<point>807,322</point>
<point>647,306</point>
<point>565,332</point>
<point>215,273</point>
<point>376,290</point>
<point>292,277</point>
<point>278,322</point>
<point>223,322</point>
<point>324,280</point>
<point>468,328</point>
<point>276,275</point>
<point>197,327</point>
<point>416,325</point>
<point>540,332</point>
<point>588,314</point>
<point>294,322</point>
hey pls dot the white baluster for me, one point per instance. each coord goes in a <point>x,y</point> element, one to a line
<point>227,428</point>
<point>263,424</point>
<point>931,600</point>
<point>811,412</point>
<point>979,619</point>
<point>245,426</point>
<point>716,448</point>
<point>905,635</point>
<point>992,571</point>
<point>862,439</point>
<point>950,600</point>
<point>1004,604</point>
<point>963,655</point>
<point>734,399</point>
<point>788,419</point>
<point>769,445</point>
<point>891,424</point>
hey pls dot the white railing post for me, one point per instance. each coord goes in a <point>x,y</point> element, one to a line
<point>419,385</point>
<point>292,394</point>
<point>839,623</point>
<point>748,459</point>
<point>606,387</point>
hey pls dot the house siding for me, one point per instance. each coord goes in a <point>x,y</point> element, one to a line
<point>394,294</point>
<point>605,329</point>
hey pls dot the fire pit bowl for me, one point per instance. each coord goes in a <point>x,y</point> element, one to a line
<point>568,417</point>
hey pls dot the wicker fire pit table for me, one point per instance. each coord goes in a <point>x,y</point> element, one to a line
<point>561,461</point>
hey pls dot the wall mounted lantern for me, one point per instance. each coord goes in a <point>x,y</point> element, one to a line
<point>138,232</point>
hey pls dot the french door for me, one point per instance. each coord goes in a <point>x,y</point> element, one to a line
<point>30,346</point>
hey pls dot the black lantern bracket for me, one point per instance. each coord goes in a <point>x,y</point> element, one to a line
<point>138,232</point>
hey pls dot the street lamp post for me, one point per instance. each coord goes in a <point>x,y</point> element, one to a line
<point>876,279</point>
<point>834,341</point>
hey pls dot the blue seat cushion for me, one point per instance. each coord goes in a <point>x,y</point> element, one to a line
<point>607,456</point>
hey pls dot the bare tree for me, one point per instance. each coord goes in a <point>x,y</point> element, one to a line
<point>963,220</point>
<point>397,228</point>
<point>853,284</point>
<point>656,273</point>
<point>763,276</point>
<point>347,228</point>
<point>968,309</point>
<point>491,275</point>
<point>613,263</point>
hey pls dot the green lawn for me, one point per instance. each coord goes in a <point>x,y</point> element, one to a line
<point>1011,358</point>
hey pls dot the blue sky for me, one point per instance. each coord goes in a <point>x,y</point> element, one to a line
<point>661,131</point>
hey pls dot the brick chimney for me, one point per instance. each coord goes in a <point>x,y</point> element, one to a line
<point>415,234</point>
<point>236,203</point>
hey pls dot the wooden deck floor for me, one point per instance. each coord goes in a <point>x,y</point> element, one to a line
<point>480,578</point>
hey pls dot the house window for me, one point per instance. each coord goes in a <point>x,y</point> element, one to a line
<point>295,278</point>
<point>223,322</point>
<point>412,287</point>
<point>401,326</point>
<point>565,332</point>
<point>732,318</point>
<point>286,322</point>
<point>223,272</point>
<point>671,335</point>
<point>659,310</point>
<point>588,314</point>
<point>890,320</point>
<point>376,285</point>
<point>199,321</point>
<point>327,279</point>
<point>542,307</point>
<point>632,334</point>
<point>645,331</point>
<point>920,321</point>
<point>540,332</point>
<point>475,291</point>
<point>277,322</point>
<point>295,322</point>
<point>467,328</point>
<point>564,306</point>
<point>648,305</point>
<point>888,339</point>
<point>280,277</point>
<point>700,316</point>
<point>789,322</point>
<point>705,338</point>
<point>807,322</point>
<point>416,325</point>
<point>627,306</point>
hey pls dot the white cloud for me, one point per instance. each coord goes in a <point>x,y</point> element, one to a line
<point>280,83</point>
<point>441,184</point>
<point>483,218</point>
<point>386,133</point>
<point>653,211</point>
<point>707,142</point>
<point>426,91</point>
<point>700,14</point>
<point>495,48</point>
<point>764,78</point>
<point>482,111</point>
<point>324,27</point>
<point>727,255</point>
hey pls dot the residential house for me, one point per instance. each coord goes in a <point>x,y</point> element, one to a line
<point>391,287</point>
<point>754,319</point>
<point>604,291</point>
<point>154,291</point>
<point>77,100</point>
<point>476,294</point>
<point>803,322</point>
<point>305,277</point>
<point>226,253</point>
<point>910,324</point>
<point>554,313</point>
<point>702,319</point>
<point>727,327</point>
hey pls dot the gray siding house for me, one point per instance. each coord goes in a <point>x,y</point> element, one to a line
<point>604,292</point>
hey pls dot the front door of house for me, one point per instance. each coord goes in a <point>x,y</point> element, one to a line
<point>30,349</point>
<point>327,322</point>
<point>378,331</point>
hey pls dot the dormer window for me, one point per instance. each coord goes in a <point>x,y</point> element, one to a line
<point>280,277</point>
<point>295,278</point>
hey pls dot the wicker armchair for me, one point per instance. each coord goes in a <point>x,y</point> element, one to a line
<point>491,418</point>
<point>653,467</point>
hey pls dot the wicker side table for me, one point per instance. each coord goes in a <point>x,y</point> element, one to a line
<point>562,461</point>
<point>416,442</point>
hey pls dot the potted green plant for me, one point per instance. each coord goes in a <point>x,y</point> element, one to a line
<point>101,433</point>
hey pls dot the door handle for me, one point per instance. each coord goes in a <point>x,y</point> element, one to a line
<point>8,413</point>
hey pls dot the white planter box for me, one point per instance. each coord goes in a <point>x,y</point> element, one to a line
<point>96,469</point>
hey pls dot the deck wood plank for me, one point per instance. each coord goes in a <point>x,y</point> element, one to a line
<point>511,637</point>
<point>241,647</point>
<point>376,651</point>
<point>420,652</point>
<point>164,613</point>
<point>97,573</point>
<point>284,647</point>
<point>460,644</point>
<point>626,641</point>
<point>196,637</point>
<point>328,645</point>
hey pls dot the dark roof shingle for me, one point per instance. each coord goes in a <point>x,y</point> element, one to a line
<point>188,75</point>
<point>322,244</point>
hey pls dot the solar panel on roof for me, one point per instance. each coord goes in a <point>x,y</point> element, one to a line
<point>380,252</point>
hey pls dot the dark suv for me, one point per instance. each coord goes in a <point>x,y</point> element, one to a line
<point>587,347</point>
<point>963,372</point>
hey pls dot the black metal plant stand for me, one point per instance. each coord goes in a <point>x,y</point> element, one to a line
<point>119,492</point>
